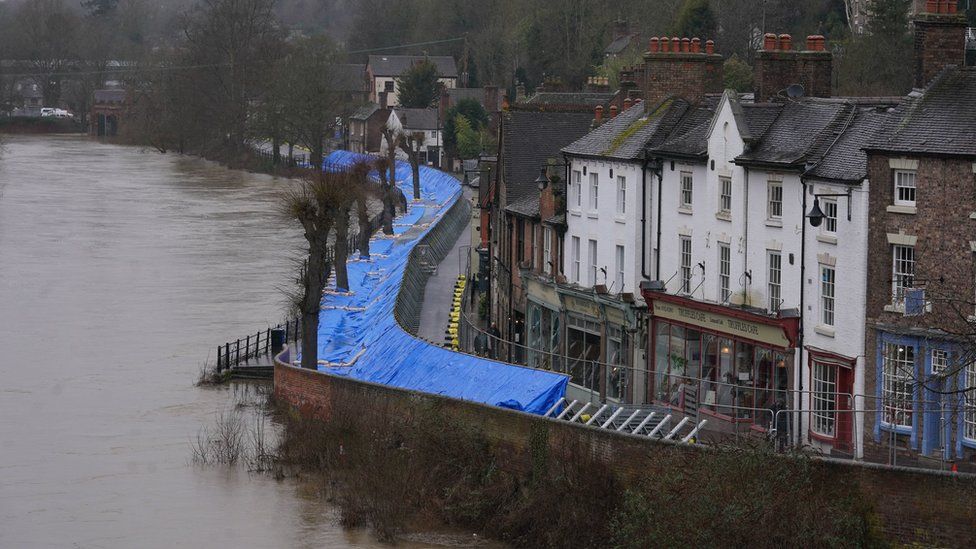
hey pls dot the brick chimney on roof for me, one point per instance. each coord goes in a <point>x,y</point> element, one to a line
<point>678,67</point>
<point>940,39</point>
<point>779,65</point>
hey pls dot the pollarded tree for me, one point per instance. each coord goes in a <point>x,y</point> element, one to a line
<point>411,144</point>
<point>417,86</point>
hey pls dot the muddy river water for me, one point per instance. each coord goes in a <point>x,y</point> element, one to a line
<point>120,271</point>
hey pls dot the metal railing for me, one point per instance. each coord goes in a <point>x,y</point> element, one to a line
<point>234,353</point>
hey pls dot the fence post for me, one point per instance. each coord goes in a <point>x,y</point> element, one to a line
<point>237,352</point>
<point>247,346</point>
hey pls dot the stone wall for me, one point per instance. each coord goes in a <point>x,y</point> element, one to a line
<point>927,507</point>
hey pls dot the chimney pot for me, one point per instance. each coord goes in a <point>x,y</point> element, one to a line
<point>685,43</point>
<point>675,44</point>
<point>655,45</point>
<point>815,42</point>
<point>627,103</point>
<point>613,111</point>
<point>785,42</point>
<point>696,45</point>
<point>598,114</point>
<point>770,42</point>
<point>665,44</point>
<point>709,47</point>
<point>932,6</point>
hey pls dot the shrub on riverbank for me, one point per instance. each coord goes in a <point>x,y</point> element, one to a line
<point>387,470</point>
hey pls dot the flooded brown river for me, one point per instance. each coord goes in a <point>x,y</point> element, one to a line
<point>120,271</point>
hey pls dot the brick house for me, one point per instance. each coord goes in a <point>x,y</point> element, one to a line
<point>921,245</point>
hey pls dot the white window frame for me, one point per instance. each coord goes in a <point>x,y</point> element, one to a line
<point>828,295</point>
<point>533,246</point>
<point>684,253</point>
<point>774,200</point>
<point>897,370</point>
<point>724,272</point>
<point>940,360</point>
<point>969,404</point>
<point>725,195</point>
<point>902,271</point>
<point>594,191</point>
<point>592,252</point>
<point>621,195</point>
<point>830,216</point>
<point>577,187</point>
<point>905,183</point>
<point>774,279</point>
<point>620,253</point>
<point>576,259</point>
<point>823,418</point>
<point>547,250</point>
<point>687,195</point>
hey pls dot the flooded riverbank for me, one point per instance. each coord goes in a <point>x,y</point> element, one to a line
<point>120,272</point>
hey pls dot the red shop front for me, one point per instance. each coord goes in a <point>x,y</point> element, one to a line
<point>721,361</point>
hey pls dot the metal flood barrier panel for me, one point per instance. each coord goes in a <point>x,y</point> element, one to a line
<point>359,333</point>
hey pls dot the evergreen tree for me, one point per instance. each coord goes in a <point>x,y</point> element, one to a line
<point>738,74</point>
<point>467,138</point>
<point>417,86</point>
<point>475,115</point>
<point>696,19</point>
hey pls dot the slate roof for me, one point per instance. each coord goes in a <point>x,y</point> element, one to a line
<point>845,160</point>
<point>417,119</point>
<point>583,99</point>
<point>620,44</point>
<point>625,136</point>
<point>394,65</point>
<point>527,206</point>
<point>363,112</point>
<point>938,120</point>
<point>760,116</point>
<point>529,138</point>
<point>798,133</point>
<point>690,136</point>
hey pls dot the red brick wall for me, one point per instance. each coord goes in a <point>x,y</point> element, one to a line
<point>686,75</point>
<point>776,70</point>
<point>940,40</point>
<point>910,506</point>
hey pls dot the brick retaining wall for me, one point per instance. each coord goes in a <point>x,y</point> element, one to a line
<point>928,507</point>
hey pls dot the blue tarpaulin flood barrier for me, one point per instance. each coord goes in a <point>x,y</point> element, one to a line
<point>360,338</point>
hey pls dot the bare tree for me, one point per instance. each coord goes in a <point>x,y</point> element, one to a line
<point>46,42</point>
<point>410,144</point>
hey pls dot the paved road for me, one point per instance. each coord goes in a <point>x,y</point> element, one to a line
<point>440,287</point>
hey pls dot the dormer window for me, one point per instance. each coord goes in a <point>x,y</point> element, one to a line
<point>905,188</point>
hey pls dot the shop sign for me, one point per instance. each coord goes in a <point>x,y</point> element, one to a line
<point>582,306</point>
<point>763,333</point>
<point>615,316</point>
<point>543,294</point>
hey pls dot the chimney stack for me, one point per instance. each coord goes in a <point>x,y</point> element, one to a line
<point>779,65</point>
<point>383,100</point>
<point>677,66</point>
<point>940,40</point>
<point>491,99</point>
<point>444,103</point>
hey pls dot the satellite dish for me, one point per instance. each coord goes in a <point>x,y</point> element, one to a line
<point>795,91</point>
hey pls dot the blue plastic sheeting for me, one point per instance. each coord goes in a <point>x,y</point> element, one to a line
<point>360,328</point>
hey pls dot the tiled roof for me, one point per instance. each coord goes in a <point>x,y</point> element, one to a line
<point>939,120</point>
<point>759,117</point>
<point>583,99</point>
<point>529,138</point>
<point>394,65</point>
<point>620,44</point>
<point>626,136</point>
<point>690,137</point>
<point>527,206</point>
<point>801,128</point>
<point>364,111</point>
<point>845,160</point>
<point>417,119</point>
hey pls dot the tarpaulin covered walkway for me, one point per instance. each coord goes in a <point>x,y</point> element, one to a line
<point>360,338</point>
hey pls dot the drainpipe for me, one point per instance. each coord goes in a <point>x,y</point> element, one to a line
<point>799,337</point>
<point>657,257</point>
<point>747,298</point>
<point>643,237</point>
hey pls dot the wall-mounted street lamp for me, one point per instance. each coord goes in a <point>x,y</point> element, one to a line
<point>543,180</point>
<point>816,215</point>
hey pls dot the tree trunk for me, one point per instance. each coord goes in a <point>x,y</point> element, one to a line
<point>316,159</point>
<point>342,250</point>
<point>316,273</point>
<point>415,167</point>
<point>365,228</point>
<point>276,148</point>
